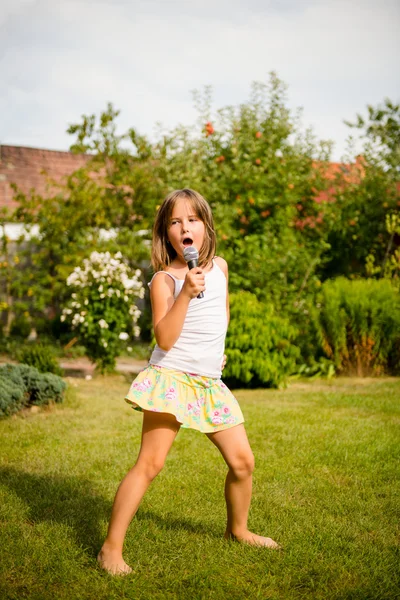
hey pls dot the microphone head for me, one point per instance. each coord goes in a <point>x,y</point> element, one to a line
<point>190,253</point>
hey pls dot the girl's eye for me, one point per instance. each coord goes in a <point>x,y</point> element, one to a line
<point>193,219</point>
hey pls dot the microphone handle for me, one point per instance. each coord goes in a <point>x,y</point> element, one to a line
<point>192,264</point>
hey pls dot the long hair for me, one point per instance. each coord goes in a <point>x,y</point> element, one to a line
<point>162,253</point>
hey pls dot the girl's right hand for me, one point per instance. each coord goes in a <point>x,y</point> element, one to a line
<point>194,283</point>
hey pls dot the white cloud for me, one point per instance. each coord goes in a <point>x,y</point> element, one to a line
<point>62,59</point>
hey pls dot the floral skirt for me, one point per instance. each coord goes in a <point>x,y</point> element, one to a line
<point>198,402</point>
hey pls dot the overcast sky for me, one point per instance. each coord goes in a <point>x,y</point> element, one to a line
<point>60,59</point>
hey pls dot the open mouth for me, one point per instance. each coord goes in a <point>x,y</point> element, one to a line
<point>187,241</point>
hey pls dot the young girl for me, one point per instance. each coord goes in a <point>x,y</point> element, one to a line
<point>181,386</point>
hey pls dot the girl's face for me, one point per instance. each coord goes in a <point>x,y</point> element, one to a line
<point>185,228</point>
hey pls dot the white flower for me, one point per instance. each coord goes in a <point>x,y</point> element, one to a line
<point>105,344</point>
<point>62,318</point>
<point>279,153</point>
<point>128,283</point>
<point>136,331</point>
<point>129,348</point>
<point>123,335</point>
<point>103,324</point>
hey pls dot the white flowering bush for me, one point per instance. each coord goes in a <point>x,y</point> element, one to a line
<point>102,306</point>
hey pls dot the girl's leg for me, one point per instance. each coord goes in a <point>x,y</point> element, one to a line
<point>235,449</point>
<point>158,433</point>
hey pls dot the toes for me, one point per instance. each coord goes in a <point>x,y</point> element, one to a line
<point>113,568</point>
<point>270,543</point>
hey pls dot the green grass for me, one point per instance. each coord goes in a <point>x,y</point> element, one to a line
<point>326,486</point>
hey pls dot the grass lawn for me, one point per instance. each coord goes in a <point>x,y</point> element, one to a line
<point>326,487</point>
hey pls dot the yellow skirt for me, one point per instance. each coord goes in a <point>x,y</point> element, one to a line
<point>198,402</point>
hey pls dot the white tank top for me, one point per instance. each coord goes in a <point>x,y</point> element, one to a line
<point>200,347</point>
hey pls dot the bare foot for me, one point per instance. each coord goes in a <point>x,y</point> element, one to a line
<point>112,562</point>
<point>253,540</point>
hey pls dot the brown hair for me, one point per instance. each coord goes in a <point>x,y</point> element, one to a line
<point>162,253</point>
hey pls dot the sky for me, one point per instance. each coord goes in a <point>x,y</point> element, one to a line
<point>60,59</point>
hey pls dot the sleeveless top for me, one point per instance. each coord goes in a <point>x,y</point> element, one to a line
<point>200,347</point>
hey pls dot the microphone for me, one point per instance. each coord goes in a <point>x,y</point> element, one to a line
<point>191,255</point>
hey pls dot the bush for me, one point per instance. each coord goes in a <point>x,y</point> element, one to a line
<point>20,327</point>
<point>42,357</point>
<point>12,397</point>
<point>360,325</point>
<point>102,307</point>
<point>259,345</point>
<point>22,385</point>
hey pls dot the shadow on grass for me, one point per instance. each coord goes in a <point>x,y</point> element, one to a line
<point>76,503</point>
<point>177,523</point>
<point>66,500</point>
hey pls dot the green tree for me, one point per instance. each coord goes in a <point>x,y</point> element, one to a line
<point>365,197</point>
<point>256,167</point>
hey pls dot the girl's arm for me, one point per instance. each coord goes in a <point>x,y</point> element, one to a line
<point>169,313</point>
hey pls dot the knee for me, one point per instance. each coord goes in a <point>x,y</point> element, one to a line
<point>243,466</point>
<point>150,467</point>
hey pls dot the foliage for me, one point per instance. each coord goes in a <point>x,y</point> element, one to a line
<point>286,217</point>
<point>23,385</point>
<point>41,357</point>
<point>358,222</point>
<point>365,201</point>
<point>322,368</point>
<point>21,326</point>
<point>381,131</point>
<point>101,308</point>
<point>256,168</point>
<point>360,325</point>
<point>390,267</point>
<point>115,191</point>
<point>259,344</point>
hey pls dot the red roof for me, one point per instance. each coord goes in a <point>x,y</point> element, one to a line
<point>30,168</point>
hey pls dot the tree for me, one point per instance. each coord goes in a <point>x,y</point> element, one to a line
<point>359,235</point>
<point>381,132</point>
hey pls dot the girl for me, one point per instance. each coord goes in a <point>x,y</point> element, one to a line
<point>181,386</point>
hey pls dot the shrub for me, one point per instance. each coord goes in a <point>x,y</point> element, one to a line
<point>45,388</point>
<point>102,307</point>
<point>42,357</point>
<point>22,385</point>
<point>12,397</point>
<point>259,344</point>
<point>20,327</point>
<point>360,325</point>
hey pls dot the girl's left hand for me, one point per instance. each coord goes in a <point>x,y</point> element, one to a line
<point>223,362</point>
